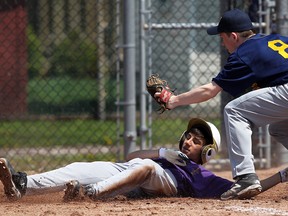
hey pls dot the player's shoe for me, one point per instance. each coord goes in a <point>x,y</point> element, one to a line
<point>72,191</point>
<point>90,191</point>
<point>245,187</point>
<point>15,183</point>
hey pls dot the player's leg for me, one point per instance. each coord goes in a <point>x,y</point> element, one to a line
<point>17,184</point>
<point>83,172</point>
<point>257,108</point>
<point>279,131</point>
<point>143,173</point>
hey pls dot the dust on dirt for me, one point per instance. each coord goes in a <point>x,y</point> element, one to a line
<point>272,202</point>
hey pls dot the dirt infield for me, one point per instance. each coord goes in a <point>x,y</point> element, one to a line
<point>272,202</point>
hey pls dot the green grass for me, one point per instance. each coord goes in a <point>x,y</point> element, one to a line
<point>65,96</point>
<point>40,163</point>
<point>56,133</point>
<point>60,96</point>
<point>80,132</point>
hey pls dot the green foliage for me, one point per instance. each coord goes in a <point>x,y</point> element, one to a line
<point>75,57</point>
<point>36,59</point>
<point>65,95</point>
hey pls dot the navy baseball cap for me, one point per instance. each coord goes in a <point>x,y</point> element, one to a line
<point>232,21</point>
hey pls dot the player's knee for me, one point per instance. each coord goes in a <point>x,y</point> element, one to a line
<point>146,163</point>
<point>149,165</point>
<point>229,106</point>
<point>149,162</point>
<point>278,132</point>
<point>272,130</point>
<point>275,131</point>
<point>228,109</point>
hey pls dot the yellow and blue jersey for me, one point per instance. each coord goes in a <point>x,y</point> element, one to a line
<point>261,61</point>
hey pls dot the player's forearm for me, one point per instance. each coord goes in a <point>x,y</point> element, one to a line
<point>196,95</point>
<point>281,176</point>
<point>143,154</point>
<point>191,97</point>
<point>270,182</point>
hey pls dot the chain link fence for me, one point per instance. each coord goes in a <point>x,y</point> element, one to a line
<point>179,50</point>
<point>183,53</point>
<point>62,74</point>
<point>59,62</point>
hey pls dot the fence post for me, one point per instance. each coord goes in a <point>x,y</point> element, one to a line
<point>282,28</point>
<point>143,128</point>
<point>129,77</point>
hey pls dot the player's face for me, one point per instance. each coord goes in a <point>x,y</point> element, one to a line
<point>192,146</point>
<point>229,41</point>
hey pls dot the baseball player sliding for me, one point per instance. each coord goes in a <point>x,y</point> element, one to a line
<point>161,172</point>
<point>256,75</point>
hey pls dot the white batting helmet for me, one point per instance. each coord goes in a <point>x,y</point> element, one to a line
<point>212,135</point>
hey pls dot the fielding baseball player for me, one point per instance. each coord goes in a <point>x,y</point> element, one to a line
<point>256,74</point>
<point>163,172</point>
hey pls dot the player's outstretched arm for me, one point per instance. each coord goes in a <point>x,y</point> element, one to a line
<point>281,176</point>
<point>171,155</point>
<point>195,95</point>
<point>143,154</point>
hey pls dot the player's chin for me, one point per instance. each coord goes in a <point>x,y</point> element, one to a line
<point>185,151</point>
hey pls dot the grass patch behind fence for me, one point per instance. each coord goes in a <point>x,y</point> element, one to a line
<point>49,133</point>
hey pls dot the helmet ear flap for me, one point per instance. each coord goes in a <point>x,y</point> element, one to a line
<point>208,152</point>
<point>181,140</point>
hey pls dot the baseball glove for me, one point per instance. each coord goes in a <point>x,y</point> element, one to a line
<point>155,84</point>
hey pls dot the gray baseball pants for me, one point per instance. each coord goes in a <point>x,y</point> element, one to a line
<point>110,178</point>
<point>266,106</point>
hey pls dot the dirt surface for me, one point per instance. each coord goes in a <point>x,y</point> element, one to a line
<point>272,202</point>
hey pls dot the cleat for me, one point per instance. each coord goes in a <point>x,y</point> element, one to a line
<point>14,182</point>
<point>72,191</point>
<point>245,187</point>
<point>90,191</point>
